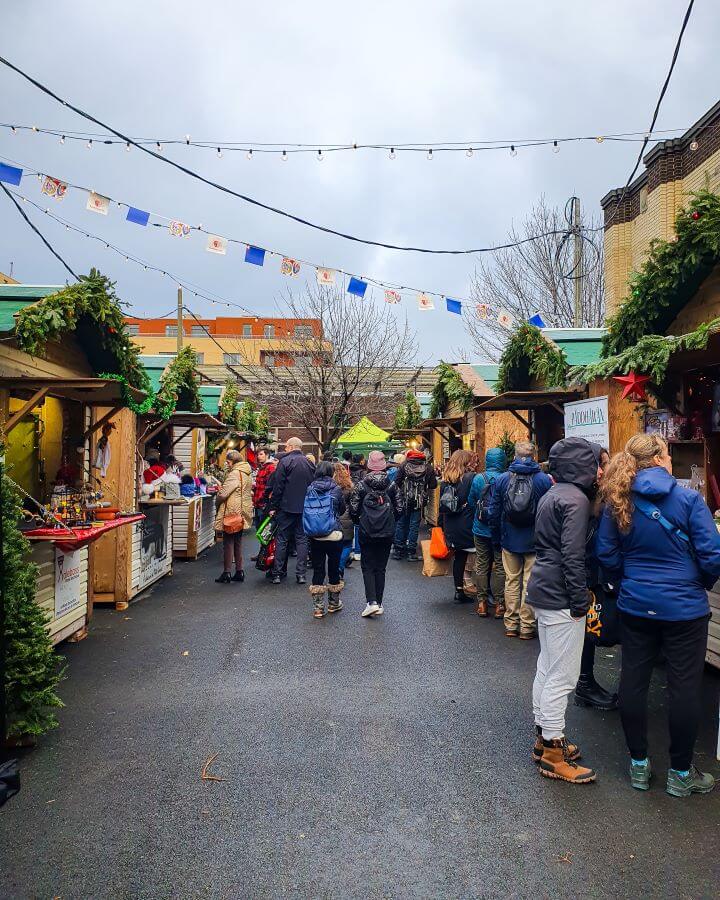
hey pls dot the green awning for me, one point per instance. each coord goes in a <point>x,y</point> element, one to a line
<point>364,432</point>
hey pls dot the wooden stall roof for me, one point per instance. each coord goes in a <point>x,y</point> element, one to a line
<point>517,400</point>
<point>92,391</point>
<point>190,420</point>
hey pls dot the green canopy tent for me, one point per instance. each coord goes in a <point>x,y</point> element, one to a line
<point>365,436</point>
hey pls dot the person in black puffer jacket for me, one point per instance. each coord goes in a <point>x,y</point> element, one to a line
<point>457,526</point>
<point>375,506</point>
<point>558,593</point>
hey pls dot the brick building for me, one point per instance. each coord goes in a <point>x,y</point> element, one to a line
<point>673,169</point>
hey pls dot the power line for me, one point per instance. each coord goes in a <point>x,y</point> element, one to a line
<point>37,231</point>
<point>663,90</point>
<point>254,202</point>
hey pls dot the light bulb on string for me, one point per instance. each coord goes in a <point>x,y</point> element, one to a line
<point>284,156</point>
<point>219,153</point>
<point>62,139</point>
<point>429,154</point>
<point>13,129</point>
<point>34,128</point>
<point>320,156</point>
<point>694,145</point>
<point>158,145</point>
<point>391,154</point>
<point>127,147</point>
<point>599,139</point>
<point>249,154</point>
<point>469,151</point>
<point>89,144</point>
<point>556,147</point>
<point>513,151</point>
<point>187,139</point>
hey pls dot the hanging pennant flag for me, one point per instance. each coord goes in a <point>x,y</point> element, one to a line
<point>289,267</point>
<point>325,276</point>
<point>357,287</point>
<point>10,174</point>
<point>138,216</point>
<point>53,187</point>
<point>482,310</point>
<point>505,319</point>
<point>97,203</point>
<point>392,297</point>
<point>216,244</point>
<point>425,302</point>
<point>255,256</point>
<point>537,321</point>
<point>453,306</point>
<point>178,229</point>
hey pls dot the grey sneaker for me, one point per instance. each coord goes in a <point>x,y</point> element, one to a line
<point>640,776</point>
<point>694,782</point>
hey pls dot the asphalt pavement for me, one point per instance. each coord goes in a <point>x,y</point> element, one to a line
<point>357,758</point>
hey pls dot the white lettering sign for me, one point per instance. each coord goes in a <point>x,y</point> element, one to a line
<point>67,582</point>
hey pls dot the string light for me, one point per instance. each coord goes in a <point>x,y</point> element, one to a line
<point>89,144</point>
<point>599,139</point>
<point>513,151</point>
<point>391,154</point>
<point>556,148</point>
<point>62,139</point>
<point>469,151</point>
<point>158,146</point>
<point>187,139</point>
<point>694,145</point>
<point>219,153</point>
<point>13,129</point>
<point>429,155</point>
<point>284,156</point>
<point>320,156</point>
<point>127,147</point>
<point>249,154</point>
<point>35,128</point>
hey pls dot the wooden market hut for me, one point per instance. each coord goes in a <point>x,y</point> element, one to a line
<point>61,390</point>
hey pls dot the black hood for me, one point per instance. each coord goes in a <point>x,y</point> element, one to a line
<point>575,461</point>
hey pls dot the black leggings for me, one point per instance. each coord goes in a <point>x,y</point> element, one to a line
<point>459,562</point>
<point>319,552</point>
<point>587,660</point>
<point>375,553</point>
<point>683,645</point>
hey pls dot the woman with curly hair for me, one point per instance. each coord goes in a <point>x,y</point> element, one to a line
<point>659,541</point>
<point>456,514</point>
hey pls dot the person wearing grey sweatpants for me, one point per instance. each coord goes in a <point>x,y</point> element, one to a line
<point>557,592</point>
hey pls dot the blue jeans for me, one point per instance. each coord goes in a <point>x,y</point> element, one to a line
<point>356,540</point>
<point>407,531</point>
<point>347,546</point>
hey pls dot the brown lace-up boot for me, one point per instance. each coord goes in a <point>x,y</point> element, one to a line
<point>556,763</point>
<point>537,750</point>
<point>482,608</point>
<point>499,610</point>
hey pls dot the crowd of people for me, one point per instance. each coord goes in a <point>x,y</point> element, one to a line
<point>579,552</point>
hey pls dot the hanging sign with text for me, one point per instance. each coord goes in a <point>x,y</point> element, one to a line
<point>588,419</point>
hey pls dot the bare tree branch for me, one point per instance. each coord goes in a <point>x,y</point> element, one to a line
<point>530,279</point>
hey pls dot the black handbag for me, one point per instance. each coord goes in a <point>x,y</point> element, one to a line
<point>602,626</point>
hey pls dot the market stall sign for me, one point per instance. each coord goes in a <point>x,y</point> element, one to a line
<point>588,419</point>
<point>67,582</point>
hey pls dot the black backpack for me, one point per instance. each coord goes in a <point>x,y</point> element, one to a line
<point>449,501</point>
<point>413,488</point>
<point>377,518</point>
<point>482,507</point>
<point>520,504</point>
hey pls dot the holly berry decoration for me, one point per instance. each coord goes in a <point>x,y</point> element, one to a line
<point>695,215</point>
<point>634,385</point>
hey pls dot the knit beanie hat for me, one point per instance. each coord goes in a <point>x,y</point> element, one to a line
<point>376,461</point>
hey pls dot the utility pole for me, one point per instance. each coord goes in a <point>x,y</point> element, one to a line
<point>180,321</point>
<point>577,263</point>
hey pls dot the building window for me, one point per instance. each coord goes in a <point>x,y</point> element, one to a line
<point>268,359</point>
<point>232,359</point>
<point>643,199</point>
<point>198,331</point>
<point>269,331</point>
<point>167,353</point>
<point>247,331</point>
<point>171,331</point>
<point>133,329</point>
<point>303,331</point>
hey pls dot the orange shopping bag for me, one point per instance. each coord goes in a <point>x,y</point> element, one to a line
<point>438,547</point>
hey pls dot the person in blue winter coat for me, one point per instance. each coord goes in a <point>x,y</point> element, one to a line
<point>515,497</point>
<point>489,569</point>
<point>326,546</point>
<point>660,542</point>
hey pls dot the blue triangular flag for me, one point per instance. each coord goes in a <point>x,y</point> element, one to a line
<point>453,306</point>
<point>138,216</point>
<point>10,174</point>
<point>255,255</point>
<point>357,287</point>
<point>537,321</point>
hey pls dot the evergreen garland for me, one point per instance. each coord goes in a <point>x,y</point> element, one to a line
<point>33,671</point>
<point>91,310</point>
<point>178,385</point>
<point>253,419</point>
<point>528,354</point>
<point>650,356</point>
<point>669,277</point>
<point>449,389</point>
<point>408,414</point>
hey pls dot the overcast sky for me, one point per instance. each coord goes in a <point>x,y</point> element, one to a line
<point>334,72</point>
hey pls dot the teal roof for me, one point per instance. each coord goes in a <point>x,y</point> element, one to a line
<point>210,398</point>
<point>155,366</point>
<point>425,401</point>
<point>488,372</point>
<point>581,346</point>
<point>14,297</point>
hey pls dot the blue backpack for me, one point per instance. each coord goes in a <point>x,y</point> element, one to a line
<point>319,518</point>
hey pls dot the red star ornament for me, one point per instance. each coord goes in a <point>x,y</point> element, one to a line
<point>634,385</point>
